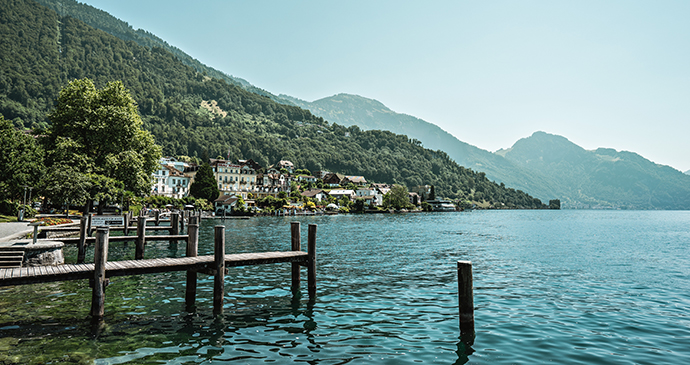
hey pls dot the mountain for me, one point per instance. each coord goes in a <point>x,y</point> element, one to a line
<point>371,114</point>
<point>603,178</point>
<point>343,109</point>
<point>190,113</point>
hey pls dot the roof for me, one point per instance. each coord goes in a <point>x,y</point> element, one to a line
<point>356,179</point>
<point>341,192</point>
<point>173,171</point>
<point>223,198</point>
<point>312,193</point>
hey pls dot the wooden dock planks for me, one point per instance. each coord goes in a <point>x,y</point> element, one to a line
<point>44,274</point>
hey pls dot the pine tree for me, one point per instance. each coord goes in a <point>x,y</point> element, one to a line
<point>204,185</point>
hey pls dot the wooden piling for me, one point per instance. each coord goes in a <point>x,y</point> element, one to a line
<point>174,226</point>
<point>157,214</point>
<point>141,237</point>
<point>219,267</point>
<point>192,251</point>
<point>88,227</point>
<point>311,265</point>
<point>125,230</point>
<point>81,245</point>
<point>296,246</point>
<point>466,301</point>
<point>99,279</point>
<point>184,213</point>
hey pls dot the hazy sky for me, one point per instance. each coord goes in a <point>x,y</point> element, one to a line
<point>601,73</point>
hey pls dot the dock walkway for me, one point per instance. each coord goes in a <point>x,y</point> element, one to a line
<point>44,274</point>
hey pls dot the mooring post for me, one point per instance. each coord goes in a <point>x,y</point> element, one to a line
<point>99,279</point>
<point>88,229</point>
<point>141,237</point>
<point>81,246</point>
<point>192,251</point>
<point>311,266</point>
<point>296,246</point>
<point>182,220</point>
<point>174,226</point>
<point>157,214</point>
<point>219,266</point>
<point>125,230</point>
<point>466,301</point>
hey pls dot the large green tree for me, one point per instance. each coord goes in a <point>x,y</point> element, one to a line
<point>21,161</point>
<point>397,197</point>
<point>97,144</point>
<point>205,185</point>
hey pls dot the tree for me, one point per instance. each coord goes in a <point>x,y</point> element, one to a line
<point>205,185</point>
<point>432,193</point>
<point>397,197</point>
<point>99,133</point>
<point>21,161</point>
<point>555,204</point>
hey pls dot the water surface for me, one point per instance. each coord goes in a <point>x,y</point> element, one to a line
<point>565,286</point>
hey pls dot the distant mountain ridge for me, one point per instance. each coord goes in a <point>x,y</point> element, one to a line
<point>369,114</point>
<point>603,178</point>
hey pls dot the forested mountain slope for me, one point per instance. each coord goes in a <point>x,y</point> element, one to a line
<point>603,177</point>
<point>100,19</point>
<point>188,112</point>
<point>368,114</point>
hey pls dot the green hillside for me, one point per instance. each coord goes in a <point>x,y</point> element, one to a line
<point>189,112</point>
<point>100,19</point>
<point>371,114</point>
<point>603,177</point>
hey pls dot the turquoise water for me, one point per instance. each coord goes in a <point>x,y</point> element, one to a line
<point>589,287</point>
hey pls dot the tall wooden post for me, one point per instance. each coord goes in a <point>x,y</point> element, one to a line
<point>81,246</point>
<point>182,220</point>
<point>311,267</point>
<point>157,214</point>
<point>141,237</point>
<point>219,266</point>
<point>174,226</point>
<point>466,301</point>
<point>296,246</point>
<point>125,230</point>
<point>99,279</point>
<point>88,227</point>
<point>192,251</point>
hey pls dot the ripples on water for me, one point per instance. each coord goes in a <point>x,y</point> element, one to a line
<point>550,286</point>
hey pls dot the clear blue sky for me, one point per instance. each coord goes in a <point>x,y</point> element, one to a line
<point>601,73</point>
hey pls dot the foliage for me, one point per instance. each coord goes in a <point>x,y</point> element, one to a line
<point>271,203</point>
<point>21,161</point>
<point>11,208</point>
<point>205,185</point>
<point>240,206</point>
<point>104,130</point>
<point>554,204</point>
<point>397,198</point>
<point>427,207</point>
<point>51,221</point>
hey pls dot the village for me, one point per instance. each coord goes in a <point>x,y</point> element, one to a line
<point>243,183</point>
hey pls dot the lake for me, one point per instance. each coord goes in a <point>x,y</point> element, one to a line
<point>569,286</point>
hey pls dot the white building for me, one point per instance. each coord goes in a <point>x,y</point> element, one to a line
<point>171,182</point>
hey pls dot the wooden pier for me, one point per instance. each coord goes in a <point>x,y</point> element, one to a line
<point>99,272</point>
